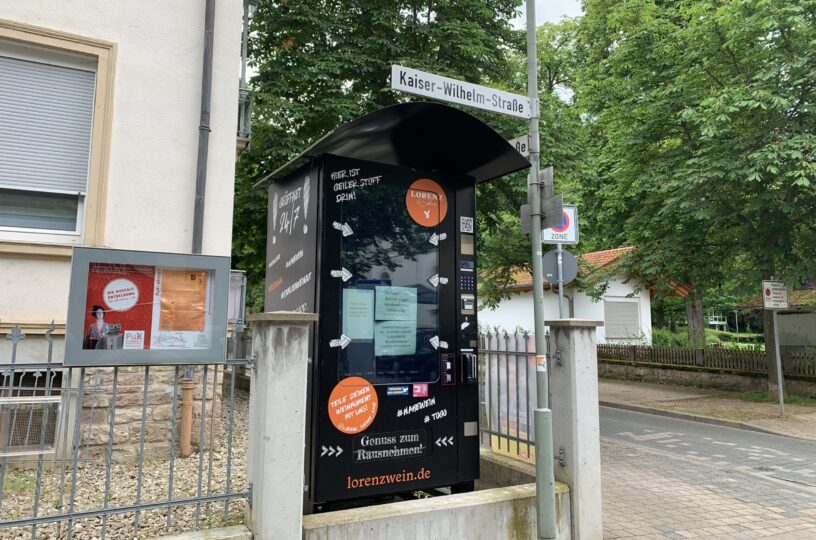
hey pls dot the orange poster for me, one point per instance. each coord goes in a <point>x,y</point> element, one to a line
<point>183,300</point>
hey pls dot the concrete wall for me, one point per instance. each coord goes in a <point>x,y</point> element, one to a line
<point>700,378</point>
<point>517,311</point>
<point>154,137</point>
<point>497,513</point>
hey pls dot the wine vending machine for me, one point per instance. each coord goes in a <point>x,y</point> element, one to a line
<point>386,255</point>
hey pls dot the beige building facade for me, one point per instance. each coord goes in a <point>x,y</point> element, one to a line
<point>101,106</point>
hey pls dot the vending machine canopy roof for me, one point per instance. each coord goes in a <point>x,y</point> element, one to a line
<point>420,135</point>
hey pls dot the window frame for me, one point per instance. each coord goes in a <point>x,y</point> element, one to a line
<point>623,300</point>
<point>91,210</point>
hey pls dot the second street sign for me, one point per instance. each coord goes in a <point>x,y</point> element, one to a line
<point>435,86</point>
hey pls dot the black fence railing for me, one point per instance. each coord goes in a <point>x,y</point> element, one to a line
<point>103,452</point>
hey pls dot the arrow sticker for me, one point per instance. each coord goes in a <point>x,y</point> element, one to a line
<point>437,343</point>
<point>444,441</point>
<point>342,342</point>
<point>343,228</point>
<point>436,238</point>
<point>345,274</point>
<point>331,451</point>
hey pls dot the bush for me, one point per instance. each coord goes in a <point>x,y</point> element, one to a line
<point>663,337</point>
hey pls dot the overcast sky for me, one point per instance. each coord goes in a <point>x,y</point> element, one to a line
<point>550,11</point>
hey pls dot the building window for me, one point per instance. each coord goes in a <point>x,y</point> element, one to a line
<point>46,111</point>
<point>622,319</point>
<point>55,113</point>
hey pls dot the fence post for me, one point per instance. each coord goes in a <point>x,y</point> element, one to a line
<point>699,357</point>
<point>576,430</point>
<point>277,423</point>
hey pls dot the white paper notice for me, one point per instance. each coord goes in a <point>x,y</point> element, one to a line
<point>134,339</point>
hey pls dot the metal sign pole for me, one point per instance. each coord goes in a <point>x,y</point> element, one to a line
<point>560,251</point>
<point>779,381</point>
<point>545,475</point>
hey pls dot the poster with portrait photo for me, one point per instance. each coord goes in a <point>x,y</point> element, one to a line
<point>136,307</point>
<point>118,306</point>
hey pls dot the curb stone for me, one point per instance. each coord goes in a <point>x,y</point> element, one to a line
<point>698,418</point>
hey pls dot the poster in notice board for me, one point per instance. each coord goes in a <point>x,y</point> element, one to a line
<point>129,307</point>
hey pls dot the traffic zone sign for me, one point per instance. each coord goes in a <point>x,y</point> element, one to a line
<point>566,232</point>
<point>774,295</point>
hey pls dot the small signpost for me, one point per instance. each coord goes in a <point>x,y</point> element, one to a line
<point>569,267</point>
<point>521,144</point>
<point>774,298</point>
<point>567,231</point>
<point>422,83</point>
<point>564,233</point>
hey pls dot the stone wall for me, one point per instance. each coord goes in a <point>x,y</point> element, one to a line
<point>721,380</point>
<point>158,411</point>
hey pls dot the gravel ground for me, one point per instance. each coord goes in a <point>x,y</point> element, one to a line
<point>20,488</point>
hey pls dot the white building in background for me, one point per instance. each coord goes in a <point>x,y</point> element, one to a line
<point>99,106</point>
<point>625,308</point>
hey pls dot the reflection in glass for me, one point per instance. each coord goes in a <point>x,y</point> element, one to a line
<point>391,296</point>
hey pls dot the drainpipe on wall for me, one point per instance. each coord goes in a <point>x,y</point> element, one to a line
<point>198,213</point>
<point>204,127</point>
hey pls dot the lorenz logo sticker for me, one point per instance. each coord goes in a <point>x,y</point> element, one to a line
<point>426,202</point>
<point>353,405</point>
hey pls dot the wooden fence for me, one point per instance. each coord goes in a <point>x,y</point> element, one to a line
<point>793,364</point>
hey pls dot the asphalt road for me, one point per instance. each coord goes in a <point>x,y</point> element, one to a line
<point>670,478</point>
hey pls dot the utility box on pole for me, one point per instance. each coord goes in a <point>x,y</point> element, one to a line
<point>375,231</point>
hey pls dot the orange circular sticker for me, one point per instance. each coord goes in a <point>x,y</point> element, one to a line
<point>353,405</point>
<point>426,202</point>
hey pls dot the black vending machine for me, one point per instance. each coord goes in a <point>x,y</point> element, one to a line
<point>385,253</point>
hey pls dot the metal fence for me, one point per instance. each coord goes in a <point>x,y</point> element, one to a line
<point>507,392</point>
<point>101,452</point>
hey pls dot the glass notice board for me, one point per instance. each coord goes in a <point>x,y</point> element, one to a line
<point>389,308</point>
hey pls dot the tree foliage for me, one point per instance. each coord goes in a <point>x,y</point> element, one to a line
<point>504,250</point>
<point>324,62</point>
<point>702,113</point>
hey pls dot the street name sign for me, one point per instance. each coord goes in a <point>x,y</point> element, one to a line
<point>566,232</point>
<point>774,295</point>
<point>422,83</point>
<point>521,144</point>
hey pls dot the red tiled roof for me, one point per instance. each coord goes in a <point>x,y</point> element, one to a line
<point>600,259</point>
<point>587,262</point>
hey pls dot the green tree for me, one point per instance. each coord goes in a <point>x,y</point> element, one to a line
<point>324,62</point>
<point>504,251</point>
<point>703,112</point>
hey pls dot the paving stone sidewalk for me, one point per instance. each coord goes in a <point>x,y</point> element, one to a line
<point>799,421</point>
<point>649,496</point>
